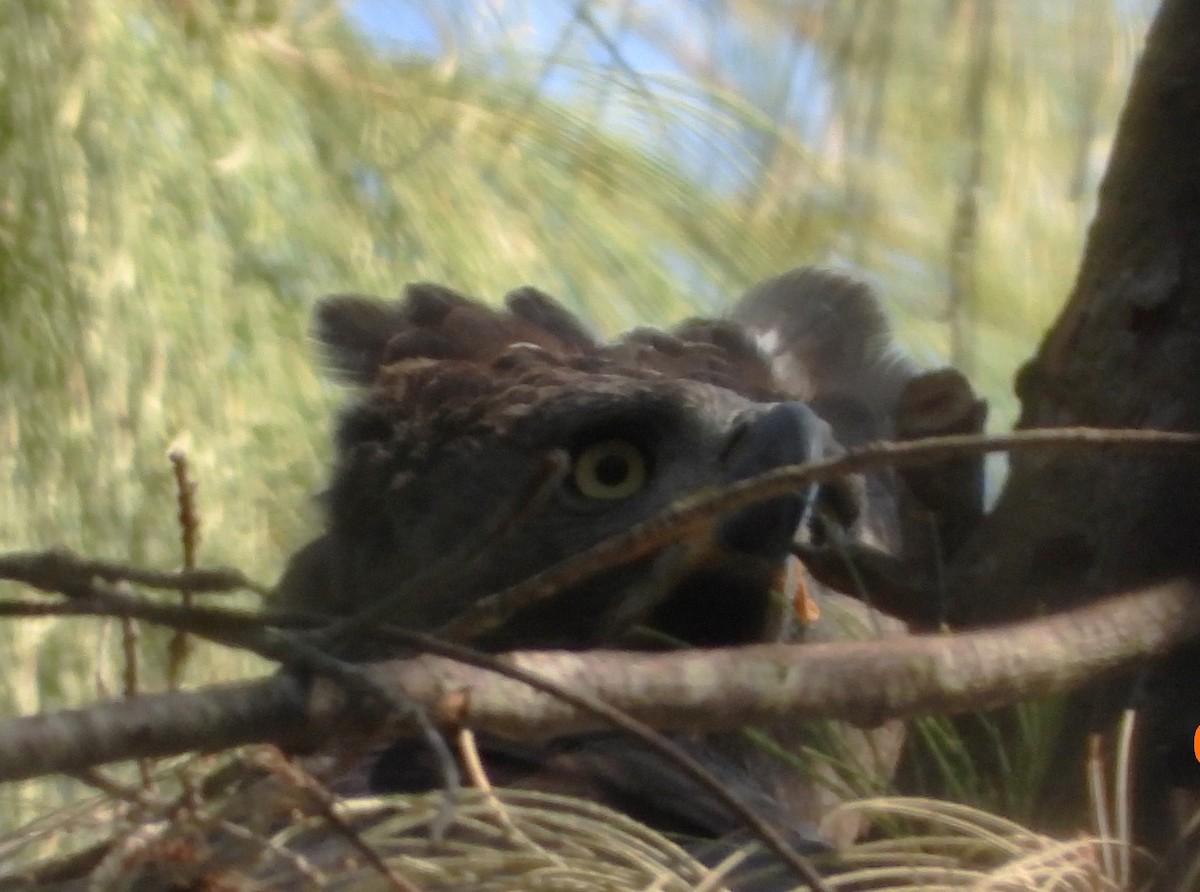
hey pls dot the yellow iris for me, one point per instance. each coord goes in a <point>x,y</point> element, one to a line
<point>609,469</point>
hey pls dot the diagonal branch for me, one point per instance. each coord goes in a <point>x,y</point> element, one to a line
<point>688,515</point>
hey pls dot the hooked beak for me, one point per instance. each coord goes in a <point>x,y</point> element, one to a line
<point>785,434</point>
<point>735,586</point>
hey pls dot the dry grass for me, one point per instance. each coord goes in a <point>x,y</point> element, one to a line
<point>263,831</point>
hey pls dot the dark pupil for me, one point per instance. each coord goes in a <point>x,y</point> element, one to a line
<point>612,470</point>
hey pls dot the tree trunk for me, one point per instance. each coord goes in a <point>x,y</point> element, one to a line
<point>1124,352</point>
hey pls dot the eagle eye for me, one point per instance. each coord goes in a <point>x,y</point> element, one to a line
<point>609,469</point>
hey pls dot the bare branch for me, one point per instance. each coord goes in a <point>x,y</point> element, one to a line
<point>865,682</point>
<point>59,570</point>
<point>273,709</point>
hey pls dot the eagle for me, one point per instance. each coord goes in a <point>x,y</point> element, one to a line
<point>482,446</point>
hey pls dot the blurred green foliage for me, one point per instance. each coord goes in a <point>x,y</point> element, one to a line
<point>180,179</point>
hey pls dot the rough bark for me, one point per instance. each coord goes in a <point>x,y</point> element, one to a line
<point>1125,352</point>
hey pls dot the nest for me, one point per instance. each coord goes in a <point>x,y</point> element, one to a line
<point>261,824</point>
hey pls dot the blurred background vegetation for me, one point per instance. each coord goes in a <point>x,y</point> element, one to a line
<point>180,179</point>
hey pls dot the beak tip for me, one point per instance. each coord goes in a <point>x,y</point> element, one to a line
<point>783,434</point>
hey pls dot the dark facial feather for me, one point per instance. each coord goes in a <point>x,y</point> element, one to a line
<point>459,406</point>
<point>461,402</point>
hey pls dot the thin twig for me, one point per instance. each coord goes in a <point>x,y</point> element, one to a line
<point>141,797</point>
<point>57,570</point>
<point>324,803</point>
<point>313,876</point>
<point>654,740</point>
<point>689,515</point>
<point>189,538</point>
<point>130,635</point>
<point>477,774</point>
<point>373,702</point>
<point>1101,807</point>
<point>1123,796</point>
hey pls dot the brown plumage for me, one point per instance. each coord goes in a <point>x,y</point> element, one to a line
<point>487,445</point>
